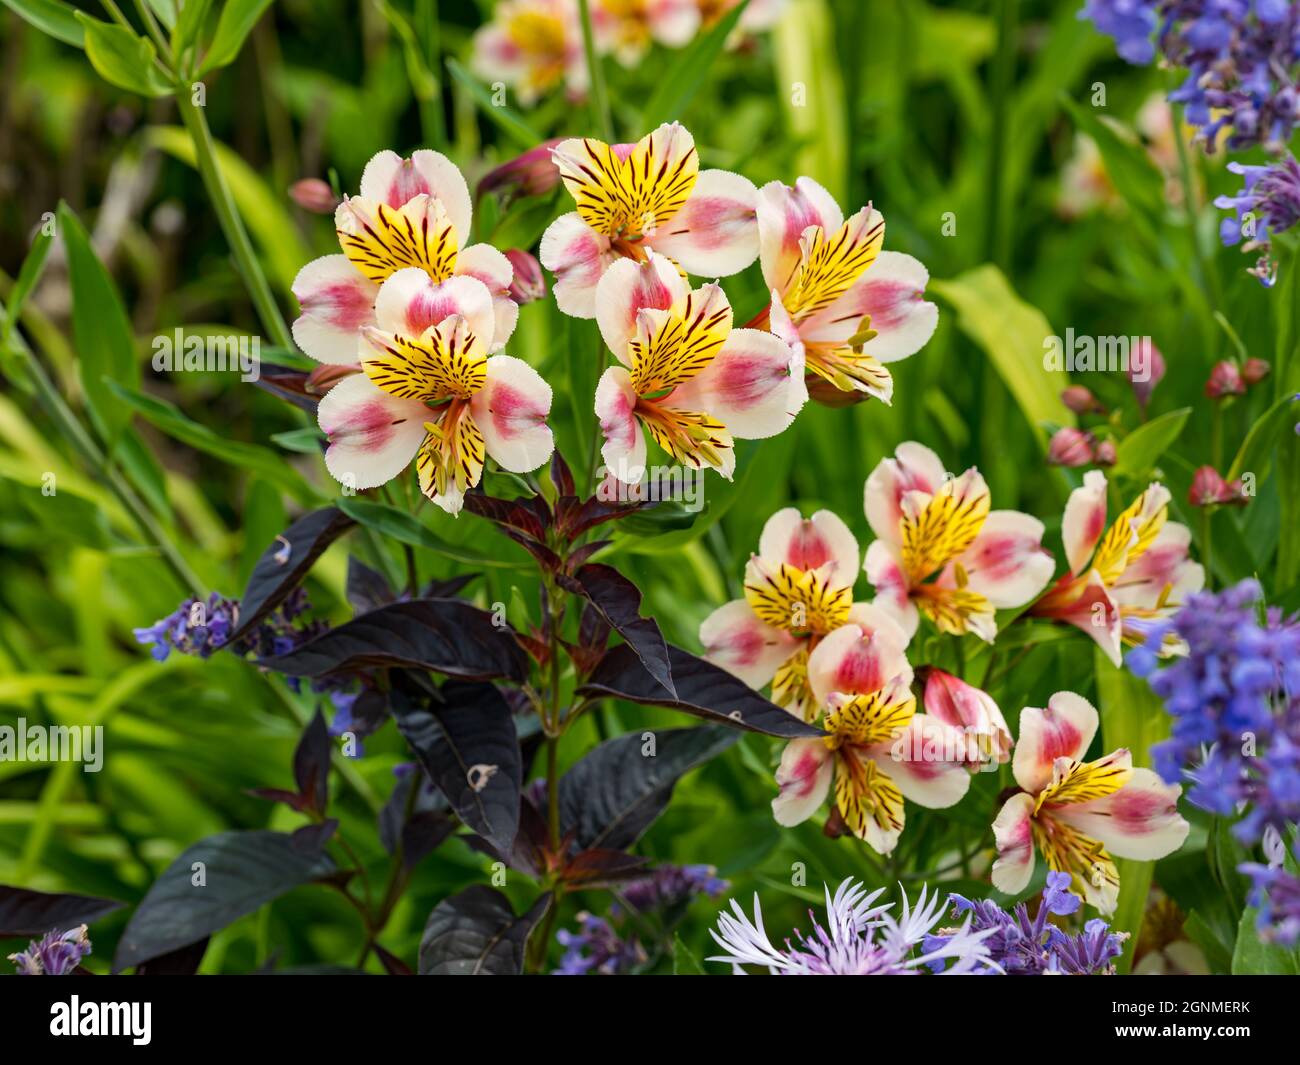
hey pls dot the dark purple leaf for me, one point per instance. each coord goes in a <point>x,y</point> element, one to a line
<point>508,513</point>
<point>393,965</point>
<point>33,913</point>
<point>447,589</point>
<point>367,588</point>
<point>561,475</point>
<point>184,961</point>
<point>445,635</point>
<point>595,511</point>
<point>467,743</point>
<point>619,602</point>
<point>703,689</point>
<point>287,384</point>
<point>311,764</point>
<point>285,563</point>
<point>615,792</point>
<point>429,823</point>
<point>601,866</point>
<point>212,884</point>
<point>476,933</point>
<point>311,839</point>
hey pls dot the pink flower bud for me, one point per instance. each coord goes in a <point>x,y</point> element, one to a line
<point>1209,489</point>
<point>1225,380</point>
<point>529,283</point>
<point>1080,400</point>
<point>963,706</point>
<point>314,195</point>
<point>1255,370</point>
<point>530,174</point>
<point>327,375</point>
<point>1105,453</point>
<point>1146,369</point>
<point>1070,447</point>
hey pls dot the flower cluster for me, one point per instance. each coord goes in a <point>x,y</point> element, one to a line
<point>535,46</point>
<point>1240,59</point>
<point>859,938</point>
<point>1268,203</point>
<point>1020,945</point>
<point>54,954</point>
<point>602,946</point>
<point>1235,700</point>
<point>200,627</point>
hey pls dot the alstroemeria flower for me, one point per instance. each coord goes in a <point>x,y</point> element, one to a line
<point>533,46</point>
<point>429,392</point>
<point>798,589</point>
<point>942,551</point>
<point>1080,813</point>
<point>627,27</point>
<point>1137,571</point>
<point>650,195</point>
<point>852,306</point>
<point>971,710</point>
<point>878,748</point>
<point>686,376</point>
<point>411,213</point>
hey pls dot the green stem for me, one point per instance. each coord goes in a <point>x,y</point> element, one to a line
<point>205,157</point>
<point>595,74</point>
<point>432,119</point>
<point>998,235</point>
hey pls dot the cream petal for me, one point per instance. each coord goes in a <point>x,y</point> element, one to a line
<point>783,214</point>
<point>734,638</point>
<point>1014,836</point>
<point>577,255</point>
<point>1084,520</point>
<point>487,264</point>
<point>1163,566</point>
<point>913,467</point>
<point>1140,820</point>
<point>626,289</point>
<point>372,436</point>
<point>851,661</point>
<point>870,618</point>
<point>715,234</point>
<point>1061,730</point>
<point>926,762</point>
<point>891,290</point>
<point>884,568</point>
<point>624,450</point>
<point>410,303</point>
<point>750,386</point>
<point>1006,562</point>
<point>393,180</point>
<point>510,411</point>
<point>809,543</point>
<point>963,706</point>
<point>337,301</point>
<point>804,777</point>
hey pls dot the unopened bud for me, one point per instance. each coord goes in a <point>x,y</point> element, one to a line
<point>1070,447</point>
<point>314,195</point>
<point>530,174</point>
<point>1225,380</point>
<point>528,283</point>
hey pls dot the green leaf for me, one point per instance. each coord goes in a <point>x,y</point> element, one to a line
<point>685,963</point>
<point>123,58</point>
<point>238,18</point>
<point>689,71</point>
<point>166,11</point>
<point>407,529</point>
<point>305,441</point>
<point>263,518</point>
<point>268,220</point>
<point>50,16</point>
<point>1253,455</point>
<point>189,27</point>
<point>1132,716</point>
<point>1012,334</point>
<point>507,119</point>
<point>170,420</point>
<point>1254,957</point>
<point>1138,452</point>
<point>28,274</point>
<point>101,328</point>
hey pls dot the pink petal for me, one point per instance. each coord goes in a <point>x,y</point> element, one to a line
<point>1006,562</point>
<point>884,568</point>
<point>1061,730</point>
<point>851,661</point>
<point>1013,833</point>
<point>629,287</point>
<point>715,234</point>
<point>1140,821</point>
<point>811,543</point>
<point>951,700</point>
<point>393,180</point>
<point>372,436</point>
<point>510,411</point>
<point>410,303</point>
<point>804,777</point>
<point>577,255</point>
<point>914,467</point>
<point>891,290</point>
<point>926,762</point>
<point>751,385</point>
<point>624,448</point>
<point>1084,520</point>
<point>336,302</point>
<point>783,214</point>
<point>735,639</point>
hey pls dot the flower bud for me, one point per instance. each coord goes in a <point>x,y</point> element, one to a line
<point>314,195</point>
<point>963,706</point>
<point>1105,453</point>
<point>528,283</point>
<point>1225,380</point>
<point>1070,447</point>
<point>530,174</point>
<point>1146,369</point>
<point>327,375</point>
<point>1081,400</point>
<point>1255,370</point>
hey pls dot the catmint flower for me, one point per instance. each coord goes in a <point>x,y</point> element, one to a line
<point>54,954</point>
<point>201,627</point>
<point>1268,203</point>
<point>670,887</point>
<point>859,938</point>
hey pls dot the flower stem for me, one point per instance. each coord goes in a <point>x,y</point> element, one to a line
<point>595,74</point>
<point>205,156</point>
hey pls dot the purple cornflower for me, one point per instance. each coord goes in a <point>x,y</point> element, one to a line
<point>1268,203</point>
<point>597,948</point>
<point>54,954</point>
<point>1023,946</point>
<point>1240,59</point>
<point>860,938</point>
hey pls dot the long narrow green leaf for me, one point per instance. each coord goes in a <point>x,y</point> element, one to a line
<point>54,17</point>
<point>238,17</point>
<point>689,71</point>
<point>510,122</point>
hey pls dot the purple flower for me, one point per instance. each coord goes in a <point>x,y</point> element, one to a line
<point>54,954</point>
<point>202,627</point>
<point>1268,203</point>
<point>670,887</point>
<point>1132,24</point>
<point>597,948</point>
<point>859,938</point>
<point>1277,894</point>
